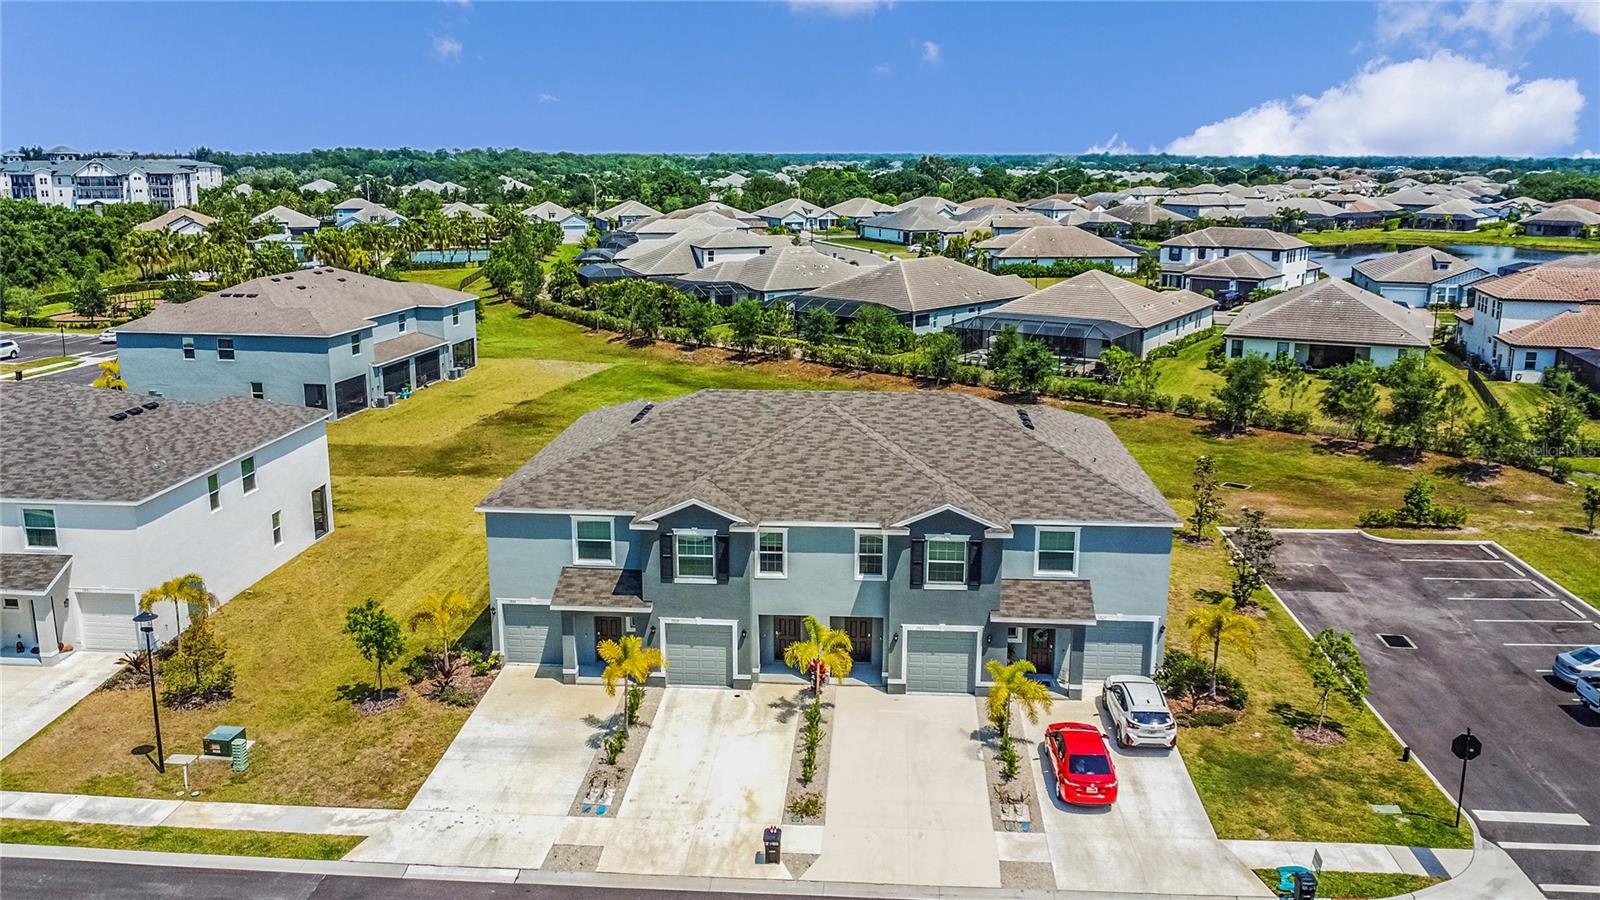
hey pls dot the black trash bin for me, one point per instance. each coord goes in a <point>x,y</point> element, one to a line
<point>1305,886</point>
<point>772,844</point>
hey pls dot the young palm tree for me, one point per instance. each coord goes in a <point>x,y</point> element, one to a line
<point>1212,625</point>
<point>630,661</point>
<point>1010,686</point>
<point>184,591</point>
<point>824,652</point>
<point>441,614</point>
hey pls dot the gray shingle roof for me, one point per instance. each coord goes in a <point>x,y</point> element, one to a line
<point>628,208</point>
<point>1565,214</point>
<point>403,346</point>
<point>1044,600</point>
<point>290,218</point>
<point>584,587</point>
<point>859,208</point>
<point>779,269</point>
<point>60,442</point>
<point>1419,266</point>
<point>919,285</point>
<point>31,573</point>
<point>173,215</point>
<point>1334,311</point>
<point>1237,238</point>
<point>1239,265</point>
<point>1055,242</point>
<point>880,457</point>
<point>915,221</point>
<point>1103,296</point>
<point>309,303</point>
<point>1145,214</point>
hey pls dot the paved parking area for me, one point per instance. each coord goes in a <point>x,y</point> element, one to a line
<point>42,344</point>
<point>1485,628</point>
<point>34,696</point>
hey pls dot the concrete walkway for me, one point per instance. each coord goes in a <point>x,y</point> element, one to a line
<point>32,697</point>
<point>193,813</point>
<point>1440,863</point>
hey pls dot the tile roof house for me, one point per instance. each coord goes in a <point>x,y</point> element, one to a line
<point>858,208</point>
<point>1328,323</point>
<point>796,215</point>
<point>302,338</point>
<point>1454,215</point>
<point>318,186</point>
<point>1561,220</point>
<point>106,494</point>
<point>1145,214</point>
<point>626,213</point>
<point>915,522</point>
<point>780,272</point>
<point>1048,245</point>
<point>573,226</point>
<point>927,294</point>
<point>1417,278</point>
<point>180,220</point>
<point>1280,261</point>
<point>1509,303</point>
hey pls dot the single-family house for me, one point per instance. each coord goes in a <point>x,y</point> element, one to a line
<point>1329,323</point>
<point>455,209</point>
<point>1232,262</point>
<point>1097,221</point>
<point>626,213</point>
<point>1531,349</point>
<point>573,226</point>
<point>318,186</point>
<point>1418,278</point>
<point>357,210</point>
<point>1047,245</point>
<point>1510,302</point>
<point>1210,206</point>
<point>908,226</point>
<point>509,184</point>
<point>293,226</point>
<point>938,530</point>
<point>1081,316</point>
<point>1000,224</point>
<point>795,214</point>
<point>927,294</point>
<point>324,338</point>
<point>1453,215</point>
<point>857,208</point>
<point>244,189</point>
<point>711,247</point>
<point>180,220</point>
<point>1051,207</point>
<point>936,205</point>
<point>434,187</point>
<point>1561,220</point>
<point>1146,217</point>
<point>108,494</point>
<point>780,272</point>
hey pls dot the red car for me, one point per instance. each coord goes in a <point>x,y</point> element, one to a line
<point>1084,773</point>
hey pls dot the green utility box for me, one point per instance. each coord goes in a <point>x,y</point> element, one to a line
<point>220,741</point>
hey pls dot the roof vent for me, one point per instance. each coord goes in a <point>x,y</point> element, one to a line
<point>118,417</point>
<point>274,278</point>
<point>134,410</point>
<point>643,411</point>
<point>1027,420</point>
<point>299,287</point>
<point>341,277</point>
<point>150,404</point>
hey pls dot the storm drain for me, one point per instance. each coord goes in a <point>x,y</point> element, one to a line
<point>1397,642</point>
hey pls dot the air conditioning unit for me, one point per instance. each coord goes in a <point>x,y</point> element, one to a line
<point>381,403</point>
<point>452,374</point>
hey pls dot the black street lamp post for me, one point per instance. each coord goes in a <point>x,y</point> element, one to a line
<point>145,621</point>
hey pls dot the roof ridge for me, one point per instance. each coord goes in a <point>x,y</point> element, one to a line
<point>1081,466</point>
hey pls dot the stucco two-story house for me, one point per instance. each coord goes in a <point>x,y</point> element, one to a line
<point>105,494</point>
<point>938,530</point>
<point>324,338</point>
<point>1230,262</point>
<point>1499,310</point>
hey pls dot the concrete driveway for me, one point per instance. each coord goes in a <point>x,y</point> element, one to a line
<point>907,801</point>
<point>711,777</point>
<point>34,696</point>
<point>1155,839</point>
<point>499,796</point>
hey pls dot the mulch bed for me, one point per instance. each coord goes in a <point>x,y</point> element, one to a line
<point>1009,796</point>
<point>379,702</point>
<point>1307,734</point>
<point>798,863</point>
<point>603,787</point>
<point>474,686</point>
<point>819,783</point>
<point>572,858</point>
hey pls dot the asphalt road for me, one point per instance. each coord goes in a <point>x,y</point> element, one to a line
<point>39,879</point>
<point>41,344</point>
<point>1486,629</point>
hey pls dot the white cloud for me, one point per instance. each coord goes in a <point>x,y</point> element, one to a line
<point>1443,104</point>
<point>446,48</point>
<point>1511,25</point>
<point>1113,144</point>
<point>882,69</point>
<point>931,53</point>
<point>549,98</point>
<point>840,8</point>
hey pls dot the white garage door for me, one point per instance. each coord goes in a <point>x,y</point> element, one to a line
<point>105,621</point>
<point>698,654</point>
<point>530,633</point>
<point>940,661</point>
<point>1116,648</point>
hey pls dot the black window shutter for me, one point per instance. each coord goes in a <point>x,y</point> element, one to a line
<point>974,563</point>
<point>722,559</point>
<point>666,557</point>
<point>917,551</point>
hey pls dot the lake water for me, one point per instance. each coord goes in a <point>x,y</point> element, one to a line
<point>1337,261</point>
<point>449,256</point>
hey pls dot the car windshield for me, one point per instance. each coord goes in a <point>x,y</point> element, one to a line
<point>1151,718</point>
<point>1082,764</point>
<point>1585,655</point>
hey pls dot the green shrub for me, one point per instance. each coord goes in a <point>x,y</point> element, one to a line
<point>614,744</point>
<point>1010,760</point>
<point>451,695</point>
<point>1190,405</point>
<point>806,806</point>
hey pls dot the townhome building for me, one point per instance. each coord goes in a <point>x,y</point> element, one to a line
<point>107,494</point>
<point>1494,326</point>
<point>70,180</point>
<point>1232,262</point>
<point>940,531</point>
<point>324,338</point>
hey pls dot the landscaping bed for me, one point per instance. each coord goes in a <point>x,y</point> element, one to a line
<point>606,783</point>
<point>1359,885</point>
<point>1014,804</point>
<point>162,839</point>
<point>805,802</point>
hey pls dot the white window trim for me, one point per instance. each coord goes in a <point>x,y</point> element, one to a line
<point>927,582</point>
<point>55,527</point>
<point>677,556</point>
<point>187,348</point>
<point>214,507</point>
<point>232,348</point>
<point>255,475</point>
<point>784,572</point>
<point>610,561</point>
<point>856,556</point>
<point>1077,551</point>
<point>276,522</point>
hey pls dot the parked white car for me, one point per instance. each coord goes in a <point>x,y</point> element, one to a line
<point>1589,692</point>
<point>1139,712</point>
<point>1574,664</point>
<point>109,336</point>
<point>9,350</point>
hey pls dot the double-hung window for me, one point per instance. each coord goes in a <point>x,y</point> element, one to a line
<point>455,316</point>
<point>771,556</point>
<point>277,528</point>
<point>355,344</point>
<point>247,473</point>
<point>591,542</point>
<point>224,348</point>
<point>39,528</point>
<point>870,556</point>
<point>696,556</point>
<point>188,348</point>
<point>1056,552</point>
<point>402,321</point>
<point>214,491</point>
<point>947,561</point>
<point>258,390</point>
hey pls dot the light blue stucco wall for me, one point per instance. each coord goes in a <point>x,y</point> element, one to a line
<point>1380,355</point>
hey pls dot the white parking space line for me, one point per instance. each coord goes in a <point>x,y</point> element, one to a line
<point>1567,645</point>
<point>1522,817</point>
<point>1528,621</point>
<point>1463,578</point>
<point>1543,590</point>
<point>1544,671</point>
<point>1570,888</point>
<point>1497,562</point>
<point>1509,599</point>
<point>1575,610</point>
<point>1534,845</point>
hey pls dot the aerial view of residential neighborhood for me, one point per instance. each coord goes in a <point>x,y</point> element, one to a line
<point>800,448</point>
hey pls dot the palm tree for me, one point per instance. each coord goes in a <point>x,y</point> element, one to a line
<point>824,652</point>
<point>440,614</point>
<point>147,250</point>
<point>1213,624</point>
<point>1010,686</point>
<point>629,660</point>
<point>184,591</point>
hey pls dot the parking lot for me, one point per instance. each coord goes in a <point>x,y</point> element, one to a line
<point>36,345</point>
<point>1471,634</point>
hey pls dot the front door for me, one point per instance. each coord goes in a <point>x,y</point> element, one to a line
<point>607,628</point>
<point>1042,650</point>
<point>860,634</point>
<point>786,630</point>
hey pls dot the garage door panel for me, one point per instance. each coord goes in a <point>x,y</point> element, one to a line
<point>940,661</point>
<point>1116,648</point>
<point>105,621</point>
<point>698,654</point>
<point>531,634</point>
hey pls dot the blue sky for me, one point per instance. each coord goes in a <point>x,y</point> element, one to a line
<point>1344,77</point>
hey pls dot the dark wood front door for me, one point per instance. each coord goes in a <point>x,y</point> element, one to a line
<point>1042,649</point>
<point>860,633</point>
<point>607,628</point>
<point>786,630</point>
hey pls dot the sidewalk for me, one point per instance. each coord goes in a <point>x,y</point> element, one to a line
<point>1352,857</point>
<point>193,813</point>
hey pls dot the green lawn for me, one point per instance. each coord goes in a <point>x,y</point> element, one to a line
<point>24,365</point>
<point>884,247</point>
<point>446,278</point>
<point>1436,238</point>
<point>177,840</point>
<point>1359,885</point>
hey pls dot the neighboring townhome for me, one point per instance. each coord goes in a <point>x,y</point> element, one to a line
<point>938,530</point>
<point>1509,302</point>
<point>67,179</point>
<point>319,186</point>
<point>1417,278</point>
<point>910,225</point>
<point>1329,323</point>
<point>1232,262</point>
<point>1531,349</point>
<point>848,212</point>
<point>323,338</point>
<point>178,221</point>
<point>927,294</point>
<point>1561,220</point>
<point>1047,245</point>
<point>797,215</point>
<point>781,272</point>
<point>573,226</point>
<point>626,213</point>
<point>108,494</point>
<point>1081,316</point>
